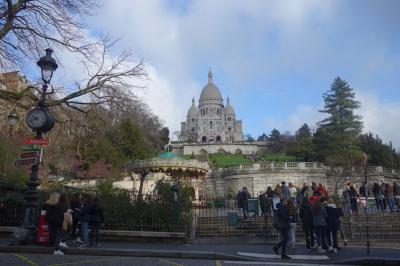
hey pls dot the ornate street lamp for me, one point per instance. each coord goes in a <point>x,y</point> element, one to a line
<point>364,162</point>
<point>12,120</point>
<point>47,65</point>
<point>41,121</point>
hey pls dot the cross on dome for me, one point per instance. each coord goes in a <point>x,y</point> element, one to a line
<point>209,75</point>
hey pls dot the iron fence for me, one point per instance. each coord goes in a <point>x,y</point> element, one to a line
<point>222,218</point>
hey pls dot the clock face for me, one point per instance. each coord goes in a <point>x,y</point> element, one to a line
<point>36,118</point>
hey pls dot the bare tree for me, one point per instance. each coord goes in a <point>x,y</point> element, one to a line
<point>27,27</point>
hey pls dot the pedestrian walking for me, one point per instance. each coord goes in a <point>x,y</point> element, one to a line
<point>378,195</point>
<point>54,219</point>
<point>269,196</point>
<point>263,202</point>
<point>85,218</point>
<point>319,223</point>
<point>76,205</point>
<point>242,198</point>
<point>292,213</point>
<point>306,216</point>
<point>281,223</point>
<point>332,225</point>
<point>96,220</point>
<point>67,219</point>
<point>285,190</point>
<point>292,192</point>
<point>390,197</point>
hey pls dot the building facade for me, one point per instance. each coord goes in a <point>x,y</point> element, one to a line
<point>211,121</point>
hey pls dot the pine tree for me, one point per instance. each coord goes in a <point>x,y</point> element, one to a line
<point>341,128</point>
<point>275,137</point>
<point>303,148</point>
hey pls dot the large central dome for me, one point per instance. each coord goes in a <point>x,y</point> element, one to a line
<point>210,93</point>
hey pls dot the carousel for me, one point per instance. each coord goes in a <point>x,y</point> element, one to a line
<point>170,166</point>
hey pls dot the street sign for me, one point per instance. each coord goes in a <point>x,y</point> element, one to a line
<point>31,147</point>
<point>29,155</point>
<point>25,162</point>
<point>37,141</point>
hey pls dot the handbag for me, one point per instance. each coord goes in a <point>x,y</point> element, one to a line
<point>278,223</point>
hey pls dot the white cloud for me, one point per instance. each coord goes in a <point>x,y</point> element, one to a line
<point>380,117</point>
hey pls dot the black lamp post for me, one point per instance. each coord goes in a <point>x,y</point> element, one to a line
<point>364,163</point>
<point>12,120</point>
<point>40,120</point>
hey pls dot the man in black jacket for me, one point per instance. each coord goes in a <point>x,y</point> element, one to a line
<point>283,218</point>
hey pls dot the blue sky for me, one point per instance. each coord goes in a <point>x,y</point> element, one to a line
<point>274,59</point>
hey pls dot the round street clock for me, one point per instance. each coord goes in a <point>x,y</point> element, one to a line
<point>40,119</point>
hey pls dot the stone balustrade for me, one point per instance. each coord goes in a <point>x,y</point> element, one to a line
<point>308,166</point>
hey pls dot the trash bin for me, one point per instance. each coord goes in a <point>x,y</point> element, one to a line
<point>232,218</point>
<point>253,206</point>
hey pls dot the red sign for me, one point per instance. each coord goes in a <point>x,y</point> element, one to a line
<point>25,162</point>
<point>42,235</point>
<point>29,155</point>
<point>37,141</point>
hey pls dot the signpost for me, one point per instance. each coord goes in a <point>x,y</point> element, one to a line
<point>29,155</point>
<point>29,158</point>
<point>25,162</point>
<point>37,141</point>
<point>31,147</point>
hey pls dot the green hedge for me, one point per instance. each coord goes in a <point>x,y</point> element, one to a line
<point>278,157</point>
<point>227,160</point>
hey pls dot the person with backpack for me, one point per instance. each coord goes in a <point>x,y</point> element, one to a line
<point>306,216</point>
<point>319,223</point>
<point>54,219</point>
<point>243,197</point>
<point>96,220</point>
<point>281,223</point>
<point>332,225</point>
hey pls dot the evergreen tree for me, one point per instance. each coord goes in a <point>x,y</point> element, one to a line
<point>303,148</point>
<point>275,138</point>
<point>337,135</point>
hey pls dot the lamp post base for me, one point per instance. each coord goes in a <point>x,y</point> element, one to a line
<point>26,233</point>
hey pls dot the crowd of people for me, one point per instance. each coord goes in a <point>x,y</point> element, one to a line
<point>73,218</point>
<point>317,210</point>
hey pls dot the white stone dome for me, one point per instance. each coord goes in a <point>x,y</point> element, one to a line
<point>193,111</point>
<point>229,109</point>
<point>210,92</point>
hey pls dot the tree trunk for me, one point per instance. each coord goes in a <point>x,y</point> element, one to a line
<point>142,178</point>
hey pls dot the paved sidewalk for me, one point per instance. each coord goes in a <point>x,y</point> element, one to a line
<point>249,252</point>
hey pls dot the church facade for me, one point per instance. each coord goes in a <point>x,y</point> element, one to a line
<point>211,121</point>
<point>211,126</point>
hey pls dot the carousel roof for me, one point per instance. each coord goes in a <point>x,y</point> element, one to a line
<point>169,162</point>
<point>169,155</point>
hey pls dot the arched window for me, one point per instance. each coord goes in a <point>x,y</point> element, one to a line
<point>238,151</point>
<point>211,124</point>
<point>204,139</point>
<point>221,151</point>
<point>192,119</point>
<point>218,139</point>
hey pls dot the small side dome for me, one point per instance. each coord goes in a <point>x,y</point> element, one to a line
<point>228,108</point>
<point>193,111</point>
